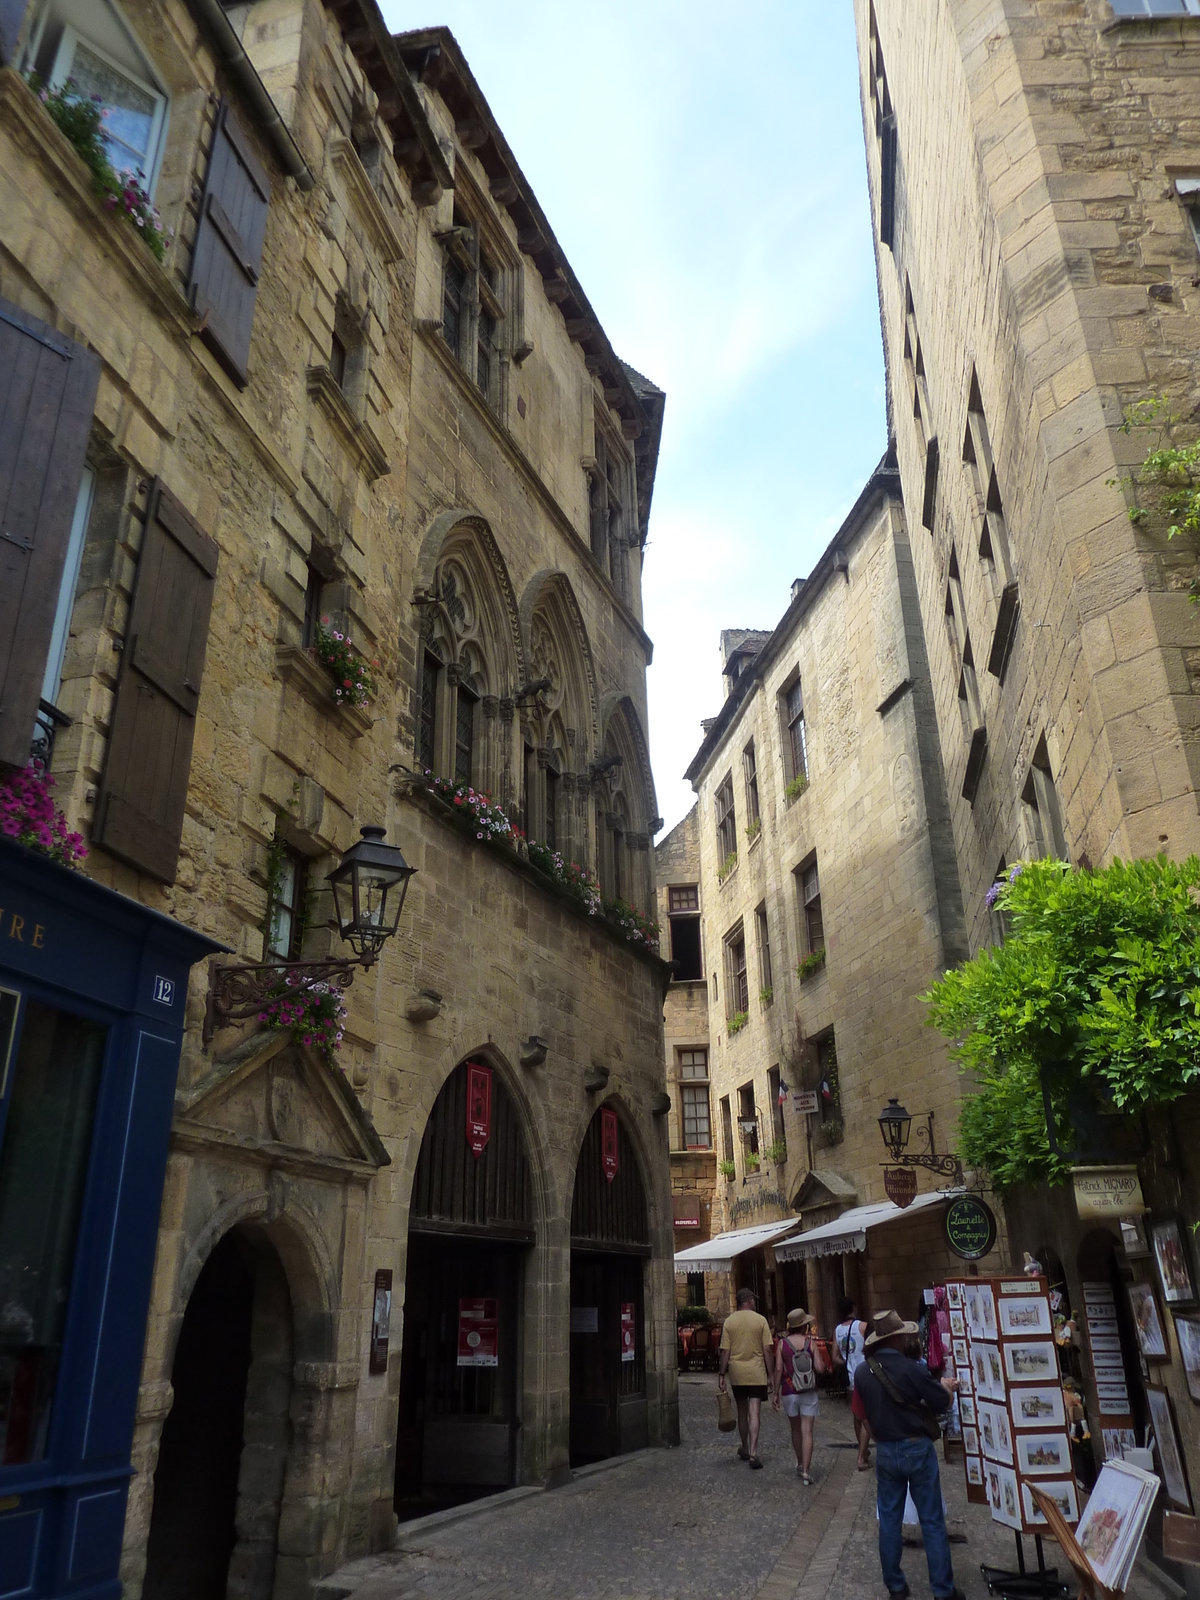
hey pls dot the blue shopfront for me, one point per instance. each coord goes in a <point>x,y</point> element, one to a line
<point>93,988</point>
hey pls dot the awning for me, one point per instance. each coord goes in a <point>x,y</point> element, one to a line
<point>716,1255</point>
<point>848,1233</point>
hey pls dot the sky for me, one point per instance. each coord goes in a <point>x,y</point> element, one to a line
<point>708,185</point>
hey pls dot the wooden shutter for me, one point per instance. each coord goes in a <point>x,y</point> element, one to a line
<point>47,394</point>
<point>229,244</point>
<point>139,811</point>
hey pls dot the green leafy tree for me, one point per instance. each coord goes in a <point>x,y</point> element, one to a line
<point>1097,984</point>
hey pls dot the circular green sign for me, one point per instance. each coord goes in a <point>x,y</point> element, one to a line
<point>970,1227</point>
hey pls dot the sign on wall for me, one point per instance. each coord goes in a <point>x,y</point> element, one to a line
<point>609,1157</point>
<point>900,1185</point>
<point>381,1320</point>
<point>969,1226</point>
<point>1108,1191</point>
<point>804,1102</point>
<point>687,1210</point>
<point>479,1106</point>
<point>628,1334</point>
<point>479,1333</point>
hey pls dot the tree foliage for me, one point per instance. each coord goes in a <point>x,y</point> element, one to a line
<point>1098,981</point>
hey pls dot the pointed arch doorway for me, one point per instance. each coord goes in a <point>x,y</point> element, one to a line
<point>610,1245</point>
<point>470,1232</point>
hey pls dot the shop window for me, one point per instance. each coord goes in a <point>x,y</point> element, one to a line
<point>287,906</point>
<point>726,820</point>
<point>750,771</point>
<point>695,1289</point>
<point>90,42</point>
<point>1043,813</point>
<point>763,940</point>
<point>47,1107</point>
<point>809,885</point>
<point>683,919</point>
<point>737,988</point>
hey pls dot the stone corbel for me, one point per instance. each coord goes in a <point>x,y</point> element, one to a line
<point>508,707</point>
<point>595,1079</point>
<point>491,705</point>
<point>454,674</point>
<point>423,1005</point>
<point>533,1051</point>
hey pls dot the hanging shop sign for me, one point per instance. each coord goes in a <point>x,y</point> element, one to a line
<point>608,1143</point>
<point>1108,1192</point>
<point>479,1106</point>
<point>381,1320</point>
<point>804,1102</point>
<point>687,1210</point>
<point>969,1226</point>
<point>900,1185</point>
<point>628,1342</point>
<point>479,1333</point>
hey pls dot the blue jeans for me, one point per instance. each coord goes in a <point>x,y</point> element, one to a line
<point>902,1465</point>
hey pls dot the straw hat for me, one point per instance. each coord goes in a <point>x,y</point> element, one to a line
<point>799,1318</point>
<point>888,1325</point>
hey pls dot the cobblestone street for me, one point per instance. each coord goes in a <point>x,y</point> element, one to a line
<point>678,1523</point>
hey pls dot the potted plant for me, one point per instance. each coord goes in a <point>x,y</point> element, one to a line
<point>727,1169</point>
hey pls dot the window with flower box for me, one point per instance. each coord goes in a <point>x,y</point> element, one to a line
<point>726,820</point>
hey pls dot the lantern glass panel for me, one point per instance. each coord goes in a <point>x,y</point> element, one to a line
<point>894,1125</point>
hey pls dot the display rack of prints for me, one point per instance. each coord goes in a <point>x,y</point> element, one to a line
<point>1108,1368</point>
<point>1014,1403</point>
<point>1108,1535</point>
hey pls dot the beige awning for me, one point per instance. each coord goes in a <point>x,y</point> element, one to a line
<point>716,1255</point>
<point>848,1234</point>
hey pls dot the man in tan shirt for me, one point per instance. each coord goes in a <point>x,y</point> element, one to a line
<point>748,1356</point>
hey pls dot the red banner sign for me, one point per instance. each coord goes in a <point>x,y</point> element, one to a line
<point>479,1106</point>
<point>479,1333</point>
<point>628,1334</point>
<point>608,1143</point>
<point>900,1185</point>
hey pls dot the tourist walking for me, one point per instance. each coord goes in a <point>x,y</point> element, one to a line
<point>903,1404</point>
<point>748,1356</point>
<point>799,1362</point>
<point>849,1337</point>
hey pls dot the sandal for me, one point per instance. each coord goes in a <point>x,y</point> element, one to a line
<point>743,1453</point>
<point>755,1464</point>
<point>805,1478</point>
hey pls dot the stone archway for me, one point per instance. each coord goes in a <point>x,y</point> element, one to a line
<point>223,1454</point>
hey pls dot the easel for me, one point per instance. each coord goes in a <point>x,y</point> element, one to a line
<point>1090,1587</point>
<point>1044,1584</point>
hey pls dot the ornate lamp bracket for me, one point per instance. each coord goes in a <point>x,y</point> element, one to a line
<point>238,992</point>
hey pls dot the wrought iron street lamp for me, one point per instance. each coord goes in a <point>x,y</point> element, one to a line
<point>895,1125</point>
<point>369,887</point>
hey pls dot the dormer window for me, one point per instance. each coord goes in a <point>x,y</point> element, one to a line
<point>90,43</point>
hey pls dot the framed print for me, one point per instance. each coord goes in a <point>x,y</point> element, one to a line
<point>959,1349</point>
<point>1015,1286</point>
<point>1098,1294</point>
<point>995,1435</point>
<point>1034,1362</point>
<point>971,1440</point>
<point>1009,1509</point>
<point>1187,1331</point>
<point>965,1381</point>
<point>1166,1443</point>
<point>974,1470</point>
<point>954,1296</point>
<point>1043,1453</point>
<point>1102,1325</point>
<point>992,1477</point>
<point>987,1310</point>
<point>1038,1408</point>
<point>1113,1406</point>
<point>1117,1441</point>
<point>1133,1236</point>
<point>1022,1317</point>
<point>972,1310</point>
<point>1062,1492</point>
<point>1147,1321</point>
<point>1108,1361</point>
<point>966,1409</point>
<point>979,1371</point>
<point>1109,1343</point>
<point>1174,1263</point>
<point>958,1325</point>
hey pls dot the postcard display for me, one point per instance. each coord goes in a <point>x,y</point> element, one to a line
<point>1010,1400</point>
<point>1108,1370</point>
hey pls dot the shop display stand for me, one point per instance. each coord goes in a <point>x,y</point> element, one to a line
<point>1044,1584</point>
<point>1090,1587</point>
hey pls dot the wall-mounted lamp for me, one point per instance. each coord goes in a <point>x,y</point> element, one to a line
<point>369,887</point>
<point>895,1125</point>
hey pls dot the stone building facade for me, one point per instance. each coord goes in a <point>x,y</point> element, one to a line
<point>1033,173</point>
<point>362,393</point>
<point>830,900</point>
<point>685,1028</point>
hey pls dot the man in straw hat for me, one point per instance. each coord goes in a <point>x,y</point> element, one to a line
<point>903,1404</point>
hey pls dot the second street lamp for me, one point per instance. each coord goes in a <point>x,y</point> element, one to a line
<point>895,1125</point>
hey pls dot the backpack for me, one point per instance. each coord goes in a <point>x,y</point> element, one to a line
<point>798,1374</point>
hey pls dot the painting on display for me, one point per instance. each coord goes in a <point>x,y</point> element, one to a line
<point>966,1409</point>
<point>954,1296</point>
<point>1146,1320</point>
<point>1023,1317</point>
<point>1040,1407</point>
<point>1187,1331</point>
<point>1033,1362</point>
<point>1062,1492</point>
<point>995,1434</point>
<point>1043,1454</point>
<point>1174,1263</point>
<point>1117,1441</point>
<point>1166,1441</point>
<point>1008,1510</point>
<point>974,1470</point>
<point>970,1440</point>
<point>958,1325</point>
<point>959,1349</point>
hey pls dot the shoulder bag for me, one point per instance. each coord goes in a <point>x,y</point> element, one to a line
<point>929,1423</point>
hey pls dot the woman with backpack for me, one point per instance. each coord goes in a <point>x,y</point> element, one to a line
<point>800,1360</point>
<point>850,1338</point>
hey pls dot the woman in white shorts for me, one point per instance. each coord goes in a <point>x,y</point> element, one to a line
<point>798,1363</point>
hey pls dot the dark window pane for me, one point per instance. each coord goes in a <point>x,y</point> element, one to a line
<point>464,736</point>
<point>453,285</point>
<point>552,808</point>
<point>337,361</point>
<point>685,899</point>
<point>43,1165</point>
<point>697,1134</point>
<point>425,732</point>
<point>487,334</point>
<point>685,947</point>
